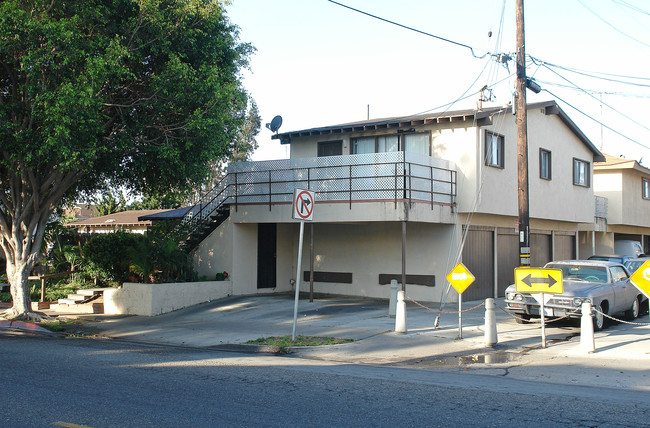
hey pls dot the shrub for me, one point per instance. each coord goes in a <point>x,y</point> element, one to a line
<point>106,256</point>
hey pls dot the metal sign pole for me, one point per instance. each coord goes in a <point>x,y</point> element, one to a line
<point>295,305</point>
<point>541,312</point>
<point>460,316</point>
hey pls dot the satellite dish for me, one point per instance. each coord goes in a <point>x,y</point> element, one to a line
<point>275,124</point>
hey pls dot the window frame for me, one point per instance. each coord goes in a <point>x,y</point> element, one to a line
<point>401,141</point>
<point>321,145</point>
<point>587,182</point>
<point>645,188</point>
<point>501,141</point>
<point>549,168</point>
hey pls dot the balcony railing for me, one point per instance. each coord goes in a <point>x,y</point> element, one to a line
<point>384,177</point>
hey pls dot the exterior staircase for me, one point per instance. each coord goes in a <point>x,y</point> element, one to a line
<point>207,215</point>
<point>88,301</point>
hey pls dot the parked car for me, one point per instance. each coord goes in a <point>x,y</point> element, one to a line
<point>633,264</point>
<point>605,284</point>
<point>618,258</point>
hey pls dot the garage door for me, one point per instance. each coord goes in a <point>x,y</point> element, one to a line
<point>565,247</point>
<point>478,257</point>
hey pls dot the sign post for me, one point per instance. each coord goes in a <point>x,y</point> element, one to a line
<point>541,284</point>
<point>641,279</point>
<point>303,210</point>
<point>460,278</point>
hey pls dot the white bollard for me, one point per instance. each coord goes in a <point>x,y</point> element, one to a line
<point>400,313</point>
<point>587,343</point>
<point>392,304</point>
<point>490,323</point>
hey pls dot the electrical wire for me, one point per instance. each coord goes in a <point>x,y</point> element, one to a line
<point>601,101</point>
<point>594,74</point>
<point>591,91</point>
<point>597,121</point>
<point>612,26</point>
<point>411,29</point>
<point>631,6</point>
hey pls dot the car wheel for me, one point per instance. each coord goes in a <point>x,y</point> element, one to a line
<point>633,312</point>
<point>522,318</point>
<point>599,318</point>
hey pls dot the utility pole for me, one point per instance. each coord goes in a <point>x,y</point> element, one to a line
<point>522,141</point>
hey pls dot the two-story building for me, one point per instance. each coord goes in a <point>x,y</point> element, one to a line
<point>418,193</point>
<point>624,186</point>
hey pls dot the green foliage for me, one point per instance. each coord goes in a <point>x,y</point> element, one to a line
<point>118,257</point>
<point>109,204</point>
<point>5,296</point>
<point>105,256</point>
<point>222,276</point>
<point>98,94</point>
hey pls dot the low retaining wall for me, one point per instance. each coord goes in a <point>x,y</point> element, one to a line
<point>155,299</point>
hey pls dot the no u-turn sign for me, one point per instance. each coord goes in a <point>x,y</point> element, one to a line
<point>303,204</point>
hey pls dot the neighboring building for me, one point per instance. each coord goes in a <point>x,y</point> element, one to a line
<point>126,221</point>
<point>625,185</point>
<point>444,178</point>
<point>81,212</point>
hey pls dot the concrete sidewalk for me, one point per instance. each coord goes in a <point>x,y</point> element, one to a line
<point>622,357</point>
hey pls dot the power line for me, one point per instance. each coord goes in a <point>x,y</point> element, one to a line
<point>411,28</point>
<point>612,26</point>
<point>595,74</point>
<point>597,121</point>
<point>631,6</point>
<point>591,91</point>
<point>612,108</point>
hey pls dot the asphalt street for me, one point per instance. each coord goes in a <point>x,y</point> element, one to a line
<point>107,383</point>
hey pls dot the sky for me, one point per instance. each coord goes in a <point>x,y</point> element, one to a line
<point>318,63</point>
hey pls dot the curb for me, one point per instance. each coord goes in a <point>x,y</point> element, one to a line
<point>22,325</point>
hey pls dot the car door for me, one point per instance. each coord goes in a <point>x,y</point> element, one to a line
<point>624,292</point>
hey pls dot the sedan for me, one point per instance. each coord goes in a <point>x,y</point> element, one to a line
<point>606,285</point>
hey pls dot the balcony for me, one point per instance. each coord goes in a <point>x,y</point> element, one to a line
<point>388,178</point>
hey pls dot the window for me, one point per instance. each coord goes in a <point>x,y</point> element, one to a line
<point>363,145</point>
<point>415,143</point>
<point>646,188</point>
<point>544,164</point>
<point>330,148</point>
<point>494,150</point>
<point>580,172</point>
<point>618,273</point>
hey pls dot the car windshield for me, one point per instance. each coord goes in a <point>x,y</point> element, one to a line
<point>582,273</point>
<point>633,265</point>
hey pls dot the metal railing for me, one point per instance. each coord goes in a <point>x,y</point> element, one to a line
<point>369,177</point>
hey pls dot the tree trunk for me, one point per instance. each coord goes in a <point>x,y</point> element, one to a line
<point>18,279</point>
<point>18,268</point>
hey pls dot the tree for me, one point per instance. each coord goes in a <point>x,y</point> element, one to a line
<point>109,204</point>
<point>137,94</point>
<point>241,150</point>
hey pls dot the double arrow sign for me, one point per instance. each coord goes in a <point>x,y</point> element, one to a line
<point>533,280</point>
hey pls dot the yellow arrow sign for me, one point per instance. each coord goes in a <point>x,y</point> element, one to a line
<point>535,280</point>
<point>641,278</point>
<point>460,278</point>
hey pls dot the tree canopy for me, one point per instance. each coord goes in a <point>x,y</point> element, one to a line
<point>140,94</point>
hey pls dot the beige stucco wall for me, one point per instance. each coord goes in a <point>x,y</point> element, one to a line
<point>636,211</point>
<point>368,249</point>
<point>609,184</point>
<point>214,254</point>
<point>156,299</point>
<point>556,199</point>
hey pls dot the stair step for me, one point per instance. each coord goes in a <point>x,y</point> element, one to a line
<point>67,302</point>
<point>91,291</point>
<point>77,297</point>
